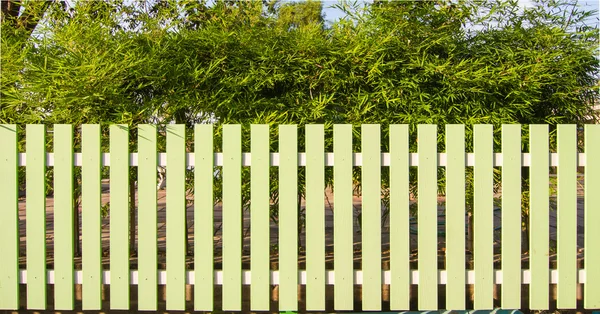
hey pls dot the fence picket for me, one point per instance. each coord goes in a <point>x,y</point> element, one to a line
<point>147,219</point>
<point>259,215</point>
<point>591,293</point>
<point>371,217</point>
<point>399,219</point>
<point>567,217</point>
<point>511,216</point>
<point>9,224</point>
<point>119,217</point>
<point>63,218</point>
<point>90,217</point>
<point>539,217</point>
<point>176,217</point>
<point>36,216</point>
<point>203,217</point>
<point>455,217</point>
<point>342,217</point>
<point>483,217</point>
<point>232,218</point>
<point>315,218</point>
<point>288,218</point>
<point>427,217</point>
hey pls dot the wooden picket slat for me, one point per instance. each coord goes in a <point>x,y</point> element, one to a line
<point>371,216</point>
<point>203,217</point>
<point>147,219</point>
<point>427,217</point>
<point>539,218</point>
<point>591,288</point>
<point>342,217</point>
<point>232,218</point>
<point>399,219</point>
<point>9,224</point>
<point>455,217</point>
<point>90,217</point>
<point>36,216</point>
<point>315,217</point>
<point>119,217</point>
<point>175,216</point>
<point>511,216</point>
<point>63,217</point>
<point>259,215</point>
<point>288,218</point>
<point>483,217</point>
<point>567,217</point>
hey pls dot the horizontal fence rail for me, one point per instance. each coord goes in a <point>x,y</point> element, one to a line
<point>106,230</point>
<point>328,158</point>
<point>386,277</point>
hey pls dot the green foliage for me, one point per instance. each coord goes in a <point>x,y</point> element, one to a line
<point>277,63</point>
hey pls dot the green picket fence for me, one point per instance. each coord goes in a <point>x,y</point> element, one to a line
<point>372,277</point>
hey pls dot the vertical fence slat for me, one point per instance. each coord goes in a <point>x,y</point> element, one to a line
<point>591,293</point>
<point>63,217</point>
<point>288,219</point>
<point>567,217</point>
<point>147,219</point>
<point>455,217</point>
<point>511,216</point>
<point>399,219</point>
<point>315,217</point>
<point>203,217</point>
<point>483,217</point>
<point>9,224</point>
<point>232,218</point>
<point>427,217</point>
<point>259,215</point>
<point>119,217</point>
<point>342,217</point>
<point>539,217</point>
<point>36,216</point>
<point>371,217</point>
<point>90,217</point>
<point>176,216</point>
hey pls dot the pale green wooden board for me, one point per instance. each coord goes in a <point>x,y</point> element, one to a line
<point>591,292</point>
<point>342,217</point>
<point>483,217</point>
<point>371,217</point>
<point>455,216</point>
<point>147,219</point>
<point>427,219</point>
<point>399,219</point>
<point>176,208</point>
<point>90,218</point>
<point>259,215</point>
<point>288,219</point>
<point>63,218</point>
<point>36,216</point>
<point>232,218</point>
<point>315,218</point>
<point>9,224</point>
<point>119,217</point>
<point>511,216</point>
<point>539,218</point>
<point>203,217</point>
<point>567,217</point>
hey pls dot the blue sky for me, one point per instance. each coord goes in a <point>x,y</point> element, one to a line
<point>333,14</point>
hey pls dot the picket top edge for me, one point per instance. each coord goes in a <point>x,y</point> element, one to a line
<point>328,159</point>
